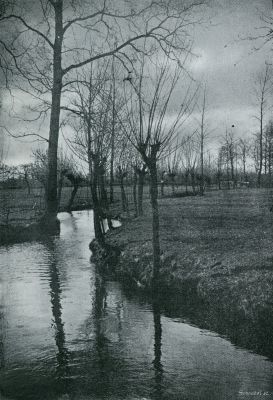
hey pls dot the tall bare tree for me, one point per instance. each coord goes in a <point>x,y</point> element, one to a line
<point>152,135</point>
<point>202,141</point>
<point>262,89</point>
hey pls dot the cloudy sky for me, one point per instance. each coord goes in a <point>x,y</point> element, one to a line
<point>229,63</point>
<point>225,61</point>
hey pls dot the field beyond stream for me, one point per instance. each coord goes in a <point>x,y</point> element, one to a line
<point>220,246</point>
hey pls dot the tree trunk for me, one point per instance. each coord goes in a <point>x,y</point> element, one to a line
<point>141,178</point>
<point>135,191</point>
<point>96,207</point>
<point>193,182</point>
<point>231,157</point>
<point>155,223</point>
<point>103,193</point>
<point>51,192</point>
<point>270,159</point>
<point>228,175</point>
<point>202,183</point>
<point>111,199</point>
<point>260,149</point>
<point>60,187</point>
<point>123,194</point>
<point>104,198</point>
<point>244,166</point>
<point>266,154</point>
<point>113,137</point>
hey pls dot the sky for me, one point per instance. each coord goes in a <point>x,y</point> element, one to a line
<point>229,63</point>
<point>225,60</point>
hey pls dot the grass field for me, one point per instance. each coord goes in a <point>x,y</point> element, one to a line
<point>223,242</point>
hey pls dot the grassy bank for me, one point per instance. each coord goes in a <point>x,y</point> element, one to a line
<point>221,243</point>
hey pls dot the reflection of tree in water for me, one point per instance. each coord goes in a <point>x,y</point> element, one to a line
<point>158,367</point>
<point>101,341</point>
<point>105,369</point>
<point>2,354</point>
<point>73,221</point>
<point>119,309</point>
<point>55,296</point>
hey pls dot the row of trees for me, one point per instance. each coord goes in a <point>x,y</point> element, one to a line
<point>112,78</point>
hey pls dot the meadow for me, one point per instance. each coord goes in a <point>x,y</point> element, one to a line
<point>219,244</point>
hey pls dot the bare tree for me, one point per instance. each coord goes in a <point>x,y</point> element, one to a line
<point>229,155</point>
<point>173,162</point>
<point>262,90</point>
<point>151,135</point>
<point>91,120</point>
<point>189,158</point>
<point>202,140</point>
<point>255,152</point>
<point>141,171</point>
<point>244,151</point>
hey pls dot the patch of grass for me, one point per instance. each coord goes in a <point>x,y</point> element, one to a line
<point>218,240</point>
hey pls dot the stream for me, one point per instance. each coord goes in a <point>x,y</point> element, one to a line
<point>66,332</point>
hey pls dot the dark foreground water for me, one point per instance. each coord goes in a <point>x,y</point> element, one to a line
<point>66,333</point>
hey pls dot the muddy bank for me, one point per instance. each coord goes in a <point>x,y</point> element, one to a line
<point>217,248</point>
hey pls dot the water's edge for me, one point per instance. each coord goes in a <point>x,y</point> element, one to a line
<point>218,308</point>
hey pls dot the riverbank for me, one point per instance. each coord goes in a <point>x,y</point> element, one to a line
<point>219,244</point>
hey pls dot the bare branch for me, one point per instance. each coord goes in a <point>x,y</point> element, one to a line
<point>18,18</point>
<point>23,135</point>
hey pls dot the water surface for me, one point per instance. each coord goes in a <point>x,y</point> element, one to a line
<point>67,333</point>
